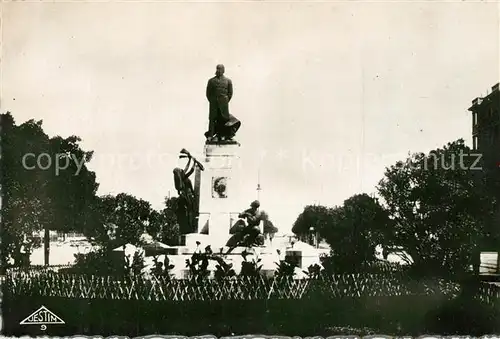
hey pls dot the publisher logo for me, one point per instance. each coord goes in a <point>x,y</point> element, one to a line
<point>42,317</point>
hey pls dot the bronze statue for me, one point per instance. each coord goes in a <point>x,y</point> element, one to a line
<point>222,125</point>
<point>187,207</point>
<point>246,231</point>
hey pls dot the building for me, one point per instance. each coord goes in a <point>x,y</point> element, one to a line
<point>486,141</point>
<point>486,127</point>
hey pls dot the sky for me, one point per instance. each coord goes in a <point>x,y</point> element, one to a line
<point>329,93</point>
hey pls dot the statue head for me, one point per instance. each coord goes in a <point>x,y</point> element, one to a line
<point>255,204</point>
<point>219,70</point>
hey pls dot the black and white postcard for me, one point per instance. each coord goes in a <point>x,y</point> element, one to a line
<point>243,168</point>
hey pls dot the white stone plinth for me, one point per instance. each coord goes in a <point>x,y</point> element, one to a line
<point>189,240</point>
<point>219,191</point>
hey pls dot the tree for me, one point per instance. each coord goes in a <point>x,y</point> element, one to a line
<point>100,228</point>
<point>314,216</point>
<point>36,193</point>
<point>164,226</point>
<point>119,219</point>
<point>23,208</point>
<point>357,227</point>
<point>353,230</point>
<point>72,188</point>
<point>438,205</point>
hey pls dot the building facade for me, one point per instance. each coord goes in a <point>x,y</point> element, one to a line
<point>486,141</point>
<point>486,128</point>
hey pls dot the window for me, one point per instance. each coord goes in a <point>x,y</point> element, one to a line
<point>474,142</point>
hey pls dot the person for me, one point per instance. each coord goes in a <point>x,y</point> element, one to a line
<point>222,125</point>
<point>246,231</point>
<point>186,209</point>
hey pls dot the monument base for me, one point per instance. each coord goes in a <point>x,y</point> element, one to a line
<point>219,188</point>
<point>189,240</point>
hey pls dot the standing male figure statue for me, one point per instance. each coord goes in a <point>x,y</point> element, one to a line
<point>222,125</point>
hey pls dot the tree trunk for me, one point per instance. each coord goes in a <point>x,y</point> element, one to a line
<point>498,262</point>
<point>476,261</point>
<point>46,245</point>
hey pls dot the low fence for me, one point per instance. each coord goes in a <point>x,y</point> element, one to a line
<point>37,269</point>
<point>390,303</point>
<point>51,284</point>
<point>488,293</point>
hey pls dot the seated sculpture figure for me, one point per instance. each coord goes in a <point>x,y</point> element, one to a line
<point>247,231</point>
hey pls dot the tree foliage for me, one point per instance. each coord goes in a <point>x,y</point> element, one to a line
<point>357,227</point>
<point>315,216</point>
<point>164,226</point>
<point>120,219</point>
<point>105,262</point>
<point>439,207</point>
<point>53,193</point>
<point>352,230</point>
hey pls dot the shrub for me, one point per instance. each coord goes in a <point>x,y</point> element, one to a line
<point>250,268</point>
<point>286,268</point>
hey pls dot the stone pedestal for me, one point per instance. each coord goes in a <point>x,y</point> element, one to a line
<point>189,240</point>
<point>218,190</point>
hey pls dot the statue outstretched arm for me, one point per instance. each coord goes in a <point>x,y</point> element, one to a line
<point>188,174</point>
<point>188,165</point>
<point>230,90</point>
<point>246,213</point>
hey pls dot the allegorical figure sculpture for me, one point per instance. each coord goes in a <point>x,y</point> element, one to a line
<point>187,207</point>
<point>222,125</point>
<point>247,230</point>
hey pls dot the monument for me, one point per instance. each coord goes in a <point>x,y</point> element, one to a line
<point>212,207</point>
<point>222,125</point>
<point>187,206</point>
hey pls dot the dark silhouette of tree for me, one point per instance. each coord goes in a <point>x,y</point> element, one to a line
<point>73,189</point>
<point>356,228</point>
<point>439,207</point>
<point>314,216</point>
<point>164,226</point>
<point>353,230</point>
<point>119,220</point>
<point>40,196</point>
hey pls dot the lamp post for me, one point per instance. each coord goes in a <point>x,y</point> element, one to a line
<point>259,188</point>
